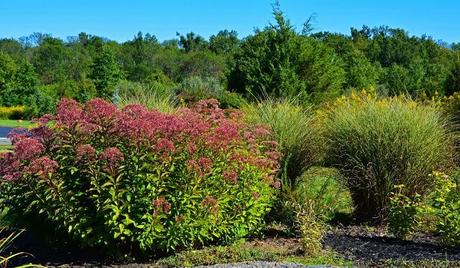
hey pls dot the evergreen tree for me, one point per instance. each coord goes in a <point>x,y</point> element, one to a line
<point>105,73</point>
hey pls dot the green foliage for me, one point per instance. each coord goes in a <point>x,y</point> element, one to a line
<point>50,59</point>
<point>195,88</point>
<point>7,71</point>
<point>453,81</point>
<point>16,96</point>
<point>279,62</point>
<point>360,72</point>
<point>192,42</point>
<point>326,189</point>
<point>39,103</point>
<point>410,64</point>
<point>321,70</point>
<point>14,113</point>
<point>138,180</point>
<point>293,128</point>
<point>105,73</point>
<point>156,96</point>
<point>257,250</point>
<point>311,229</point>
<point>202,64</point>
<point>17,81</point>
<point>224,42</point>
<point>408,212</point>
<point>378,143</point>
<point>446,205</point>
<point>404,213</point>
<point>320,188</point>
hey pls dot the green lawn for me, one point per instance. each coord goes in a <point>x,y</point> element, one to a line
<point>15,123</point>
<point>4,148</point>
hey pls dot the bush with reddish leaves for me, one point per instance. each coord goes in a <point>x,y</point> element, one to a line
<point>135,179</point>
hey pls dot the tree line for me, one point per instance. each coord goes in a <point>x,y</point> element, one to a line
<point>276,60</point>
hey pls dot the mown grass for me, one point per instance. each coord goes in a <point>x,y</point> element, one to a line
<point>15,123</point>
<point>5,148</point>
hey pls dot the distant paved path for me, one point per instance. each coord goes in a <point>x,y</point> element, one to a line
<point>4,131</point>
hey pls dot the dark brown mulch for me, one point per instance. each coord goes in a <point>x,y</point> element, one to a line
<point>372,246</point>
<point>362,245</point>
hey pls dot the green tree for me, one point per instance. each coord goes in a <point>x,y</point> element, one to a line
<point>50,60</point>
<point>279,62</point>
<point>453,81</point>
<point>224,42</point>
<point>138,57</point>
<point>413,65</point>
<point>359,71</point>
<point>192,42</point>
<point>105,73</point>
<point>25,76</point>
<point>8,70</point>
<point>203,64</point>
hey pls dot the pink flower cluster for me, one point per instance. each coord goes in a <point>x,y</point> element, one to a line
<point>27,158</point>
<point>9,167</point>
<point>210,202</point>
<point>28,148</point>
<point>42,167</point>
<point>230,176</point>
<point>161,205</point>
<point>99,132</point>
<point>85,152</point>
<point>113,157</point>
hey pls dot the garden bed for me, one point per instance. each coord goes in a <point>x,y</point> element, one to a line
<point>372,246</point>
<point>344,246</point>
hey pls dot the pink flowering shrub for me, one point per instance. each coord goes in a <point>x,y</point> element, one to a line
<point>139,179</point>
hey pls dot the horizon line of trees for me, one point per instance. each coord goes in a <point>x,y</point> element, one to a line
<point>277,60</point>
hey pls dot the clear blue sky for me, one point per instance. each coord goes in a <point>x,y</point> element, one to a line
<point>121,20</point>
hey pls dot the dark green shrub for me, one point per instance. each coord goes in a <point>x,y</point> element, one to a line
<point>138,179</point>
<point>279,62</point>
<point>326,189</point>
<point>15,96</point>
<point>39,104</point>
<point>378,143</point>
<point>231,99</point>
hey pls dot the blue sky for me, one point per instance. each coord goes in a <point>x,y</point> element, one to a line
<point>121,20</point>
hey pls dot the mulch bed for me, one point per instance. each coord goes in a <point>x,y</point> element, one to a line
<point>364,246</point>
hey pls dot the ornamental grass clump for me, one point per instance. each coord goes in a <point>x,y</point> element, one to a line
<point>141,180</point>
<point>377,143</point>
<point>294,128</point>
